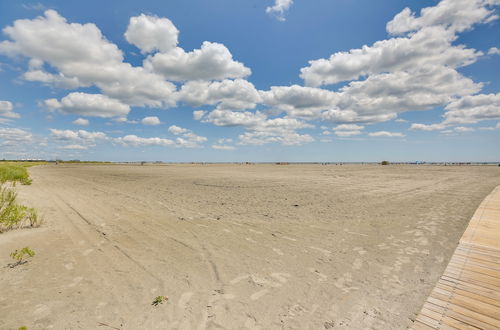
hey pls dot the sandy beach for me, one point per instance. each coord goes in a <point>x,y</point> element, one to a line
<point>236,246</point>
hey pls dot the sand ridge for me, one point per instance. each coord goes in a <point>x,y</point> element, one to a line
<point>236,246</point>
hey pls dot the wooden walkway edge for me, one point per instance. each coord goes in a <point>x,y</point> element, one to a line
<point>467,296</point>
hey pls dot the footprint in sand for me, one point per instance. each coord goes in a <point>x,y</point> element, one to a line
<point>278,251</point>
<point>255,231</point>
<point>411,250</point>
<point>239,279</point>
<point>357,264</point>
<point>383,246</point>
<point>344,283</point>
<point>75,282</point>
<point>41,311</point>
<point>360,250</point>
<point>439,259</point>
<point>321,277</point>
<point>87,252</point>
<point>400,262</point>
<point>281,277</point>
<point>422,241</point>
<point>324,251</point>
<point>184,299</point>
<point>251,324</point>
<point>278,279</point>
<point>259,294</point>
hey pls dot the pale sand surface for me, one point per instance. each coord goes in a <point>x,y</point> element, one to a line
<point>236,246</point>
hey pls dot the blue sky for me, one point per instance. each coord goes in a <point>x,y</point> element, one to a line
<point>267,80</point>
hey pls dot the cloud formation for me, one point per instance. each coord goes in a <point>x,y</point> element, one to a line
<point>11,137</point>
<point>186,137</point>
<point>279,9</point>
<point>80,122</point>
<point>473,109</point>
<point>415,68</point>
<point>213,61</point>
<point>92,105</point>
<point>386,134</point>
<point>228,94</point>
<point>454,15</point>
<point>6,110</point>
<point>151,121</point>
<point>431,45</point>
<point>83,57</point>
<point>151,33</point>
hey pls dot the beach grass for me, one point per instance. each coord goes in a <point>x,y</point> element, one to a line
<point>12,214</point>
<point>16,172</point>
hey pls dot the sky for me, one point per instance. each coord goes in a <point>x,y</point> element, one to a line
<point>250,80</point>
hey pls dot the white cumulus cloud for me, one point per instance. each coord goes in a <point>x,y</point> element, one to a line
<point>12,137</point>
<point>82,56</point>
<point>6,110</point>
<point>94,105</point>
<point>473,108</point>
<point>424,127</point>
<point>77,136</point>
<point>223,147</point>
<point>494,51</point>
<point>431,45</point>
<point>186,137</point>
<point>150,33</point>
<point>81,122</point>
<point>386,134</point>
<point>74,147</point>
<point>279,8</point>
<point>152,121</point>
<point>228,94</point>
<point>136,141</point>
<point>455,15</point>
<point>213,61</point>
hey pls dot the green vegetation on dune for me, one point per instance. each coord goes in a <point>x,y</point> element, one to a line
<point>16,172</point>
<point>12,214</point>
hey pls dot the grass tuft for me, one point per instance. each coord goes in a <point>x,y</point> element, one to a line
<point>14,172</point>
<point>14,215</point>
<point>21,255</point>
<point>159,300</point>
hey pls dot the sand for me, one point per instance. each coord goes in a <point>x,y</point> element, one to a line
<point>236,246</point>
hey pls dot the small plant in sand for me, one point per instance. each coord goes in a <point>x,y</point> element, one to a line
<point>384,162</point>
<point>20,256</point>
<point>14,215</point>
<point>159,300</point>
<point>23,328</point>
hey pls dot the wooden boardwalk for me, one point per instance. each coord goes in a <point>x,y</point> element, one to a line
<point>467,296</point>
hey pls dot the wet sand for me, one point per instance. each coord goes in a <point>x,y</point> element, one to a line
<point>236,246</point>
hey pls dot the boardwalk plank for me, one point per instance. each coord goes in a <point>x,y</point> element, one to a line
<point>467,296</point>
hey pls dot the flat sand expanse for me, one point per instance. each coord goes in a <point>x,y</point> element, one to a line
<point>236,246</point>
